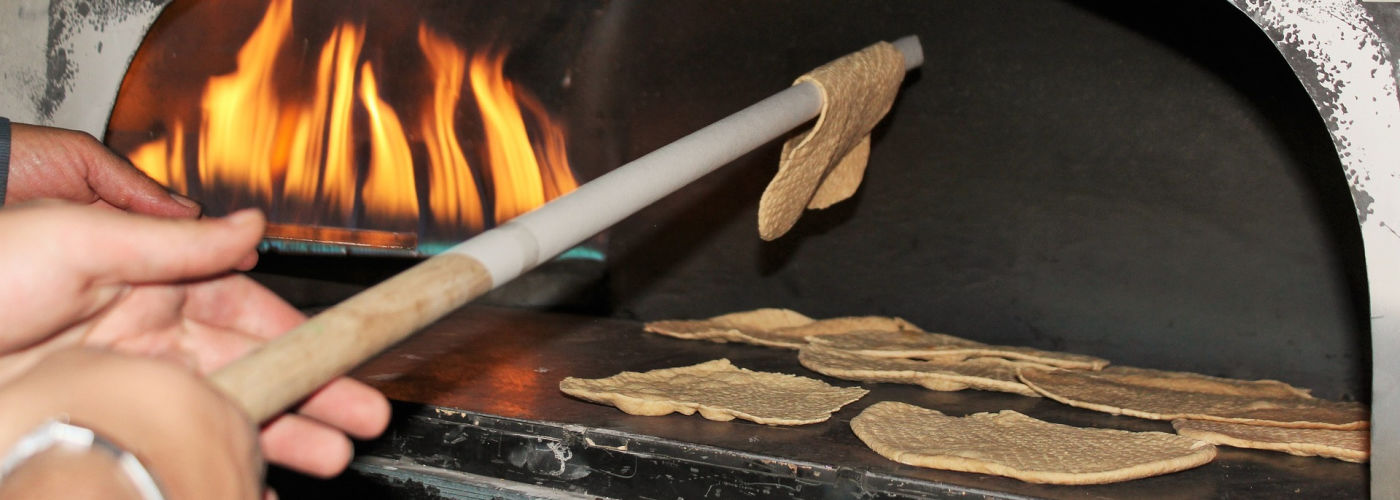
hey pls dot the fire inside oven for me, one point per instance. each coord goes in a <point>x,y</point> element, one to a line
<point>353,134</point>
<point>1147,183</point>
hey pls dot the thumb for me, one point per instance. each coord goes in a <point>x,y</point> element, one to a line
<point>121,185</point>
<point>141,249</point>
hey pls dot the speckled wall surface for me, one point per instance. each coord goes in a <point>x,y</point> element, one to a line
<point>62,61</point>
<point>1147,183</point>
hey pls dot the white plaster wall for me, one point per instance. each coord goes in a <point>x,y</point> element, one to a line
<point>62,61</point>
<point>24,29</point>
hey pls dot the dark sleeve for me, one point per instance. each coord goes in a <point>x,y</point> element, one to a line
<point>4,157</point>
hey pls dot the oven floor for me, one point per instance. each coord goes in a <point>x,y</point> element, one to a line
<point>478,414</point>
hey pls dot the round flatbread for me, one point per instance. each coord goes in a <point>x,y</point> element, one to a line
<point>1014,445</point>
<point>719,391</point>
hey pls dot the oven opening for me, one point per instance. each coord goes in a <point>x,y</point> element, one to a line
<point>1148,183</point>
<point>358,127</point>
<point>1154,187</point>
<point>366,129</point>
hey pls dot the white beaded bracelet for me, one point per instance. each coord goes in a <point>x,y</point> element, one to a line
<point>54,433</point>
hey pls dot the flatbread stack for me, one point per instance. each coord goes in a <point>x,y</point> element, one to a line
<point>956,374</point>
<point>1196,382</point>
<point>1259,414</point>
<point>941,346</point>
<point>934,361</point>
<point>1351,446</point>
<point>795,337</point>
<point>719,391</point>
<point>1242,402</point>
<point>1206,411</point>
<point>1014,445</point>
<point>773,327</point>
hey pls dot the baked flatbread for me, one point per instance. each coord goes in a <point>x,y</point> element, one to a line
<point>1352,446</point>
<point>1014,445</point>
<point>732,327</point>
<point>1106,393</point>
<point>926,345</point>
<point>989,374</point>
<point>795,337</point>
<point>1195,382</point>
<point>773,327</point>
<point>825,164</point>
<point>719,391</point>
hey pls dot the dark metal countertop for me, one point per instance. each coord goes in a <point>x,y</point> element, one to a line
<point>500,369</point>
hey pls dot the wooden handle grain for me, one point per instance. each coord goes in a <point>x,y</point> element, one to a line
<point>282,372</point>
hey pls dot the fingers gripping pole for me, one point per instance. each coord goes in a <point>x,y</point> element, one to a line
<point>286,370</point>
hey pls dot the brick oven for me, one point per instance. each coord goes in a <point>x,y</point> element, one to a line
<point>1201,187</point>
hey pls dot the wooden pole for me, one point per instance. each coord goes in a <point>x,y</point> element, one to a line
<point>284,371</point>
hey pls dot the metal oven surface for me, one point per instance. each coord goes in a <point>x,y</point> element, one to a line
<point>480,396</point>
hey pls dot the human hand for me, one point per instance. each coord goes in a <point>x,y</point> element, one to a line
<point>47,162</point>
<point>161,287</point>
<point>187,435</point>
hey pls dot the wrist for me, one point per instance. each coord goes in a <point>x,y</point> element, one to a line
<point>37,461</point>
<point>152,408</point>
<point>65,473</point>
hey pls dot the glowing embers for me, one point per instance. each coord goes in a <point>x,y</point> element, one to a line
<point>342,144</point>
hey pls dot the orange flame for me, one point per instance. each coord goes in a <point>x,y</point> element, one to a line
<point>452,188</point>
<point>507,144</point>
<point>247,162</point>
<point>389,187</point>
<point>338,175</point>
<point>156,152</point>
<point>300,154</point>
